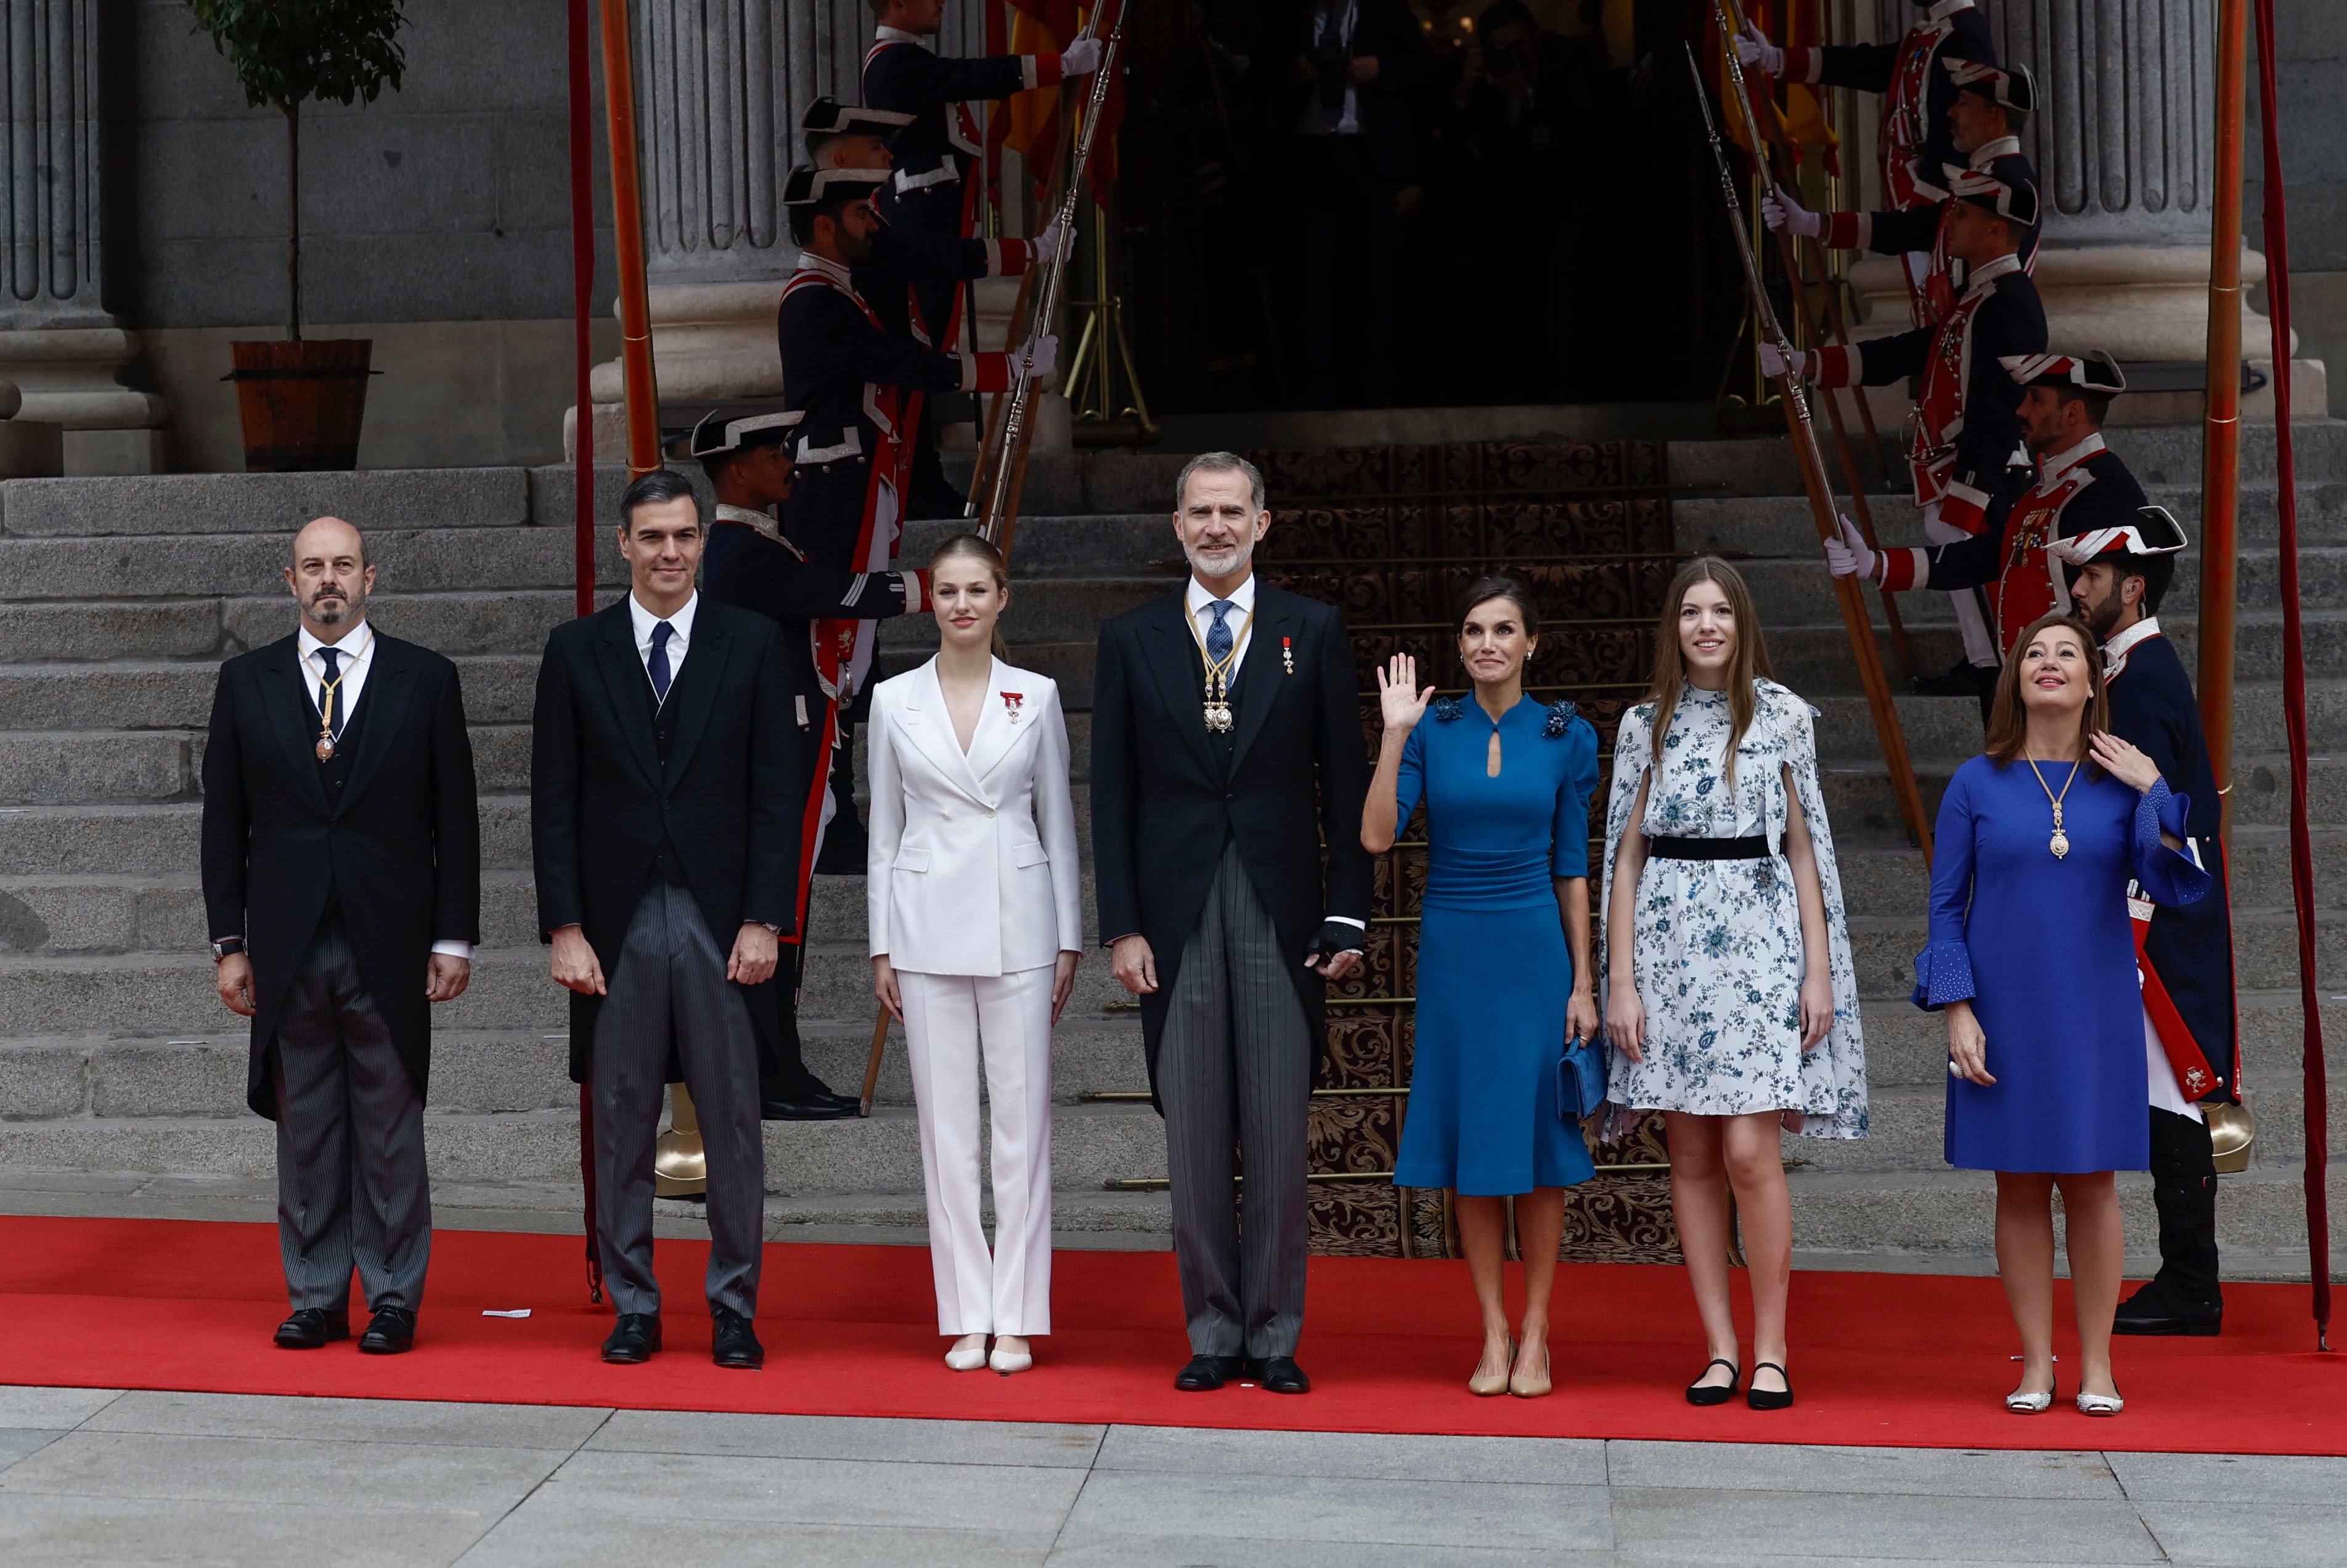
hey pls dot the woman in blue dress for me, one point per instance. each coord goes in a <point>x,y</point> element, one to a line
<point>1503,975</point>
<point>2031,953</point>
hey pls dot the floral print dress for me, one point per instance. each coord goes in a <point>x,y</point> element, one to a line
<point>1719,942</point>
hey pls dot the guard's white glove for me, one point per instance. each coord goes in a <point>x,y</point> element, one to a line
<point>1042,355</point>
<point>1081,59</point>
<point>1779,211</point>
<point>1753,48</point>
<point>1774,363</point>
<point>1849,555</point>
<point>1049,243</point>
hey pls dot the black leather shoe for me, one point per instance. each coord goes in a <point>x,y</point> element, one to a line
<point>1760,1399</point>
<point>821,1107</point>
<point>2147,1313</point>
<point>391,1332</point>
<point>734,1343</point>
<point>312,1327</point>
<point>635,1340</point>
<point>1208,1372</point>
<point>1281,1375</point>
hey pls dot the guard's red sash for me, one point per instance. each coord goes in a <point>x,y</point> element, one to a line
<point>2194,1076</point>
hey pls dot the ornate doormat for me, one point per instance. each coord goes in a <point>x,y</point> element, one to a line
<point>1392,534</point>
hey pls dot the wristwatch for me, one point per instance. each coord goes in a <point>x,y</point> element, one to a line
<point>227,947</point>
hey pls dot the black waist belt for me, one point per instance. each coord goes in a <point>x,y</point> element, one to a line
<point>1756,848</point>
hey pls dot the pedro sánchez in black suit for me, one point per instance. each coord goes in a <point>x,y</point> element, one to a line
<point>1226,745</point>
<point>341,868</point>
<point>665,782</point>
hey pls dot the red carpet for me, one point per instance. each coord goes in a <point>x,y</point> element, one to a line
<point>1878,1359</point>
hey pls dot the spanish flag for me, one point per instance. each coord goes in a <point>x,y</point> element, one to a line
<point>1047,27</point>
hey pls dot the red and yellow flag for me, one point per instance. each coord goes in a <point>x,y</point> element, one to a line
<point>1033,118</point>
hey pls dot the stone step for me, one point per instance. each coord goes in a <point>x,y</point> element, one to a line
<point>163,993</point>
<point>153,505</point>
<point>486,1072</point>
<point>1881,1213</point>
<point>1882,878</point>
<point>101,914</point>
<point>133,767</point>
<point>1907,1046</point>
<point>1091,1145</point>
<point>1784,526</point>
<point>2265,950</point>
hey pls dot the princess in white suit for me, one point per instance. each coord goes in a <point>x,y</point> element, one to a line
<point>977,916</point>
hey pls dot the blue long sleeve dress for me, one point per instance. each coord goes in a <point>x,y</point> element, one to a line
<point>1493,969</point>
<point>2043,948</point>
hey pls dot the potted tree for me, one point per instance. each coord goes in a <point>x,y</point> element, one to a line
<point>303,402</point>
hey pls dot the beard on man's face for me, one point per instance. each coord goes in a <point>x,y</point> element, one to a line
<point>330,605</point>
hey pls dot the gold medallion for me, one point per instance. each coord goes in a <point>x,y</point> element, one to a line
<point>325,748</point>
<point>1218,717</point>
<point>2060,842</point>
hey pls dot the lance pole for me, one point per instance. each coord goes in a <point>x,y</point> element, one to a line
<point>628,244</point>
<point>1765,150</point>
<point>1009,468</point>
<point>1800,425</point>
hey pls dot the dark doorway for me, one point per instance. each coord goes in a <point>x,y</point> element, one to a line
<point>1514,205</point>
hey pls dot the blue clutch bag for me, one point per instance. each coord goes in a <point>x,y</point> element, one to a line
<point>1580,1079</point>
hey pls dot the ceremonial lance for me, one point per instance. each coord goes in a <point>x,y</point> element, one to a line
<point>1798,423</point>
<point>1008,468</point>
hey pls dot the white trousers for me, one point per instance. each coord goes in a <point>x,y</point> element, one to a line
<point>1008,1291</point>
<point>1971,621</point>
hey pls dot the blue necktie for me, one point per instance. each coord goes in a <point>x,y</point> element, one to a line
<point>659,662</point>
<point>332,692</point>
<point>1218,636</point>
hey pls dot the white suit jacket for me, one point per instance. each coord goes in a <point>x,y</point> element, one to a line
<point>972,869</point>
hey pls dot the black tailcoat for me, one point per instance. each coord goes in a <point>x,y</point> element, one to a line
<point>601,799</point>
<point>1167,795</point>
<point>2191,945</point>
<point>398,850</point>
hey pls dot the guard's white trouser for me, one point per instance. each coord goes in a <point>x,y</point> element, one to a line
<point>945,1017</point>
<point>1980,642</point>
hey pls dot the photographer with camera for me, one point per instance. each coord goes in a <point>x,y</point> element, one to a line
<point>1358,67</point>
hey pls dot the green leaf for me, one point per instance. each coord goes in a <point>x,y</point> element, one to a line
<point>288,52</point>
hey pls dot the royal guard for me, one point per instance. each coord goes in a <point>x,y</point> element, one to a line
<point>2119,571</point>
<point>748,563</point>
<point>2081,484</point>
<point>932,195</point>
<point>1988,114</point>
<point>844,137</point>
<point>846,378</point>
<point>1967,426</point>
<point>1916,140</point>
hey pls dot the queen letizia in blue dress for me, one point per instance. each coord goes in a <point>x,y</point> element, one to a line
<point>1502,954</point>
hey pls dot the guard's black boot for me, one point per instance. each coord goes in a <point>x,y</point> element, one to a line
<point>2184,1299</point>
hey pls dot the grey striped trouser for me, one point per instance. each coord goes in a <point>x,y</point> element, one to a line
<point>351,1182</point>
<point>1234,1077</point>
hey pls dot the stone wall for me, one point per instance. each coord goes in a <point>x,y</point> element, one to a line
<point>2311,48</point>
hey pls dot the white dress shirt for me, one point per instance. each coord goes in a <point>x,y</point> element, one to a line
<point>1237,618</point>
<point>357,651</point>
<point>680,626</point>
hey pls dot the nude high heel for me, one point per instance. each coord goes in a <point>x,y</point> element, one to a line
<point>1524,1386</point>
<point>1484,1385</point>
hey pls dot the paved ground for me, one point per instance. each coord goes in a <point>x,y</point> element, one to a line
<point>100,1476</point>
